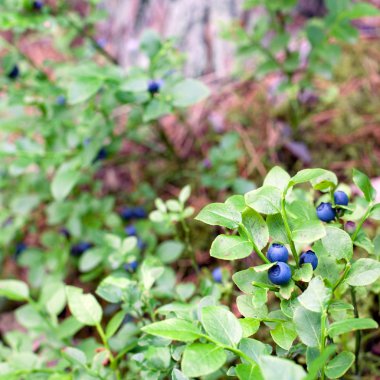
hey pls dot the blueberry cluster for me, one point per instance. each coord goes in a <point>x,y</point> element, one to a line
<point>280,274</point>
<point>326,212</point>
<point>129,213</point>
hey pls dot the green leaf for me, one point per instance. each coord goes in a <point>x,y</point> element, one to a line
<point>338,243</point>
<point>170,250</point>
<point>248,371</point>
<point>201,359</point>
<point>63,182</point>
<point>308,326</point>
<point>304,274</point>
<point>250,326</point>
<point>75,356</point>
<point>178,375</point>
<point>155,109</point>
<point>244,280</point>
<point>188,92</point>
<point>114,323</point>
<point>319,362</point>
<point>265,200</point>
<point>274,368</point>
<point>364,184</point>
<point>363,272</point>
<point>112,288</point>
<point>82,89</point>
<point>249,309</point>
<point>229,247</point>
<point>284,334</point>
<point>264,267</point>
<point>237,202</point>
<point>220,214</point>
<point>257,228</point>
<point>307,175</point>
<point>349,325</point>
<point>14,290</point>
<point>308,231</point>
<point>316,296</point>
<point>277,177</point>
<point>151,270</point>
<point>375,212</point>
<point>53,297</point>
<point>84,307</point>
<point>175,329</point>
<point>359,10</point>
<point>277,228</point>
<point>339,365</point>
<point>326,181</point>
<point>254,348</point>
<point>221,325</point>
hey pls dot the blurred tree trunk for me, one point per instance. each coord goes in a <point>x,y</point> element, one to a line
<point>195,23</point>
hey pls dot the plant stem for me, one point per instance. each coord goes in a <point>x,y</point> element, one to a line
<point>362,220</point>
<point>358,335</point>
<point>189,247</point>
<point>113,361</point>
<point>343,277</point>
<point>323,338</point>
<point>288,231</point>
<point>255,247</point>
<point>229,348</point>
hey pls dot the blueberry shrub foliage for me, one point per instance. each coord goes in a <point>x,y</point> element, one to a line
<point>104,283</point>
<point>313,267</point>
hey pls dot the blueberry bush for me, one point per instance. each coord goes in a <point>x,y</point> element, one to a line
<point>309,268</point>
<point>109,267</point>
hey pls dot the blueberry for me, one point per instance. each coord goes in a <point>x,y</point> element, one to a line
<point>280,274</point>
<point>37,5</point>
<point>132,266</point>
<point>14,73</point>
<point>341,198</point>
<point>217,274</point>
<point>277,252</point>
<point>325,212</point>
<point>102,154</point>
<point>131,230</point>
<point>309,257</point>
<point>60,100</point>
<point>65,232</point>
<point>139,213</point>
<point>20,248</point>
<point>154,86</point>
<point>140,244</point>
<point>80,248</point>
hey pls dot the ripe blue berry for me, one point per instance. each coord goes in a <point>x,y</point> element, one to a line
<point>325,212</point>
<point>154,86</point>
<point>37,5</point>
<point>309,257</point>
<point>130,230</point>
<point>140,244</point>
<point>139,213</point>
<point>14,73</point>
<point>341,198</point>
<point>277,252</point>
<point>132,266</point>
<point>280,274</point>
<point>78,249</point>
<point>20,248</point>
<point>60,100</point>
<point>217,274</point>
<point>102,154</point>
<point>65,232</point>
